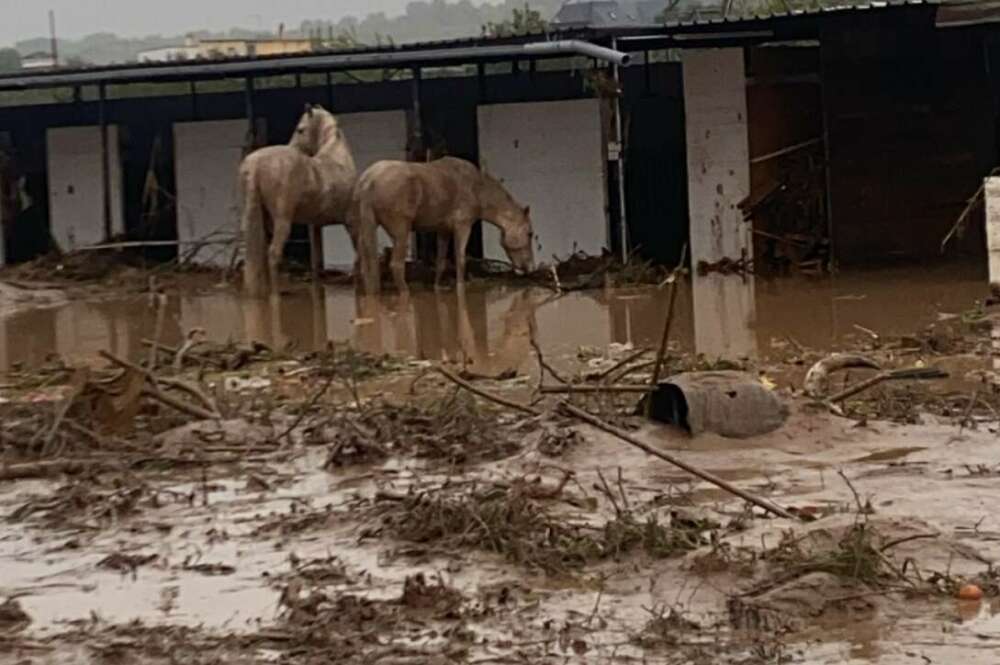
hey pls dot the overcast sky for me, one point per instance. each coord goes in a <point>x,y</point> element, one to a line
<point>21,19</point>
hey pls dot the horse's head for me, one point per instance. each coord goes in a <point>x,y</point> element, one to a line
<point>317,128</point>
<point>516,236</point>
<point>513,219</point>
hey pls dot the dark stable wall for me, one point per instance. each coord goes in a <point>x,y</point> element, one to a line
<point>448,114</point>
<point>912,127</point>
<point>785,109</point>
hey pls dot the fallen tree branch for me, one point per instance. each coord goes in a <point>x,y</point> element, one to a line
<point>154,392</point>
<point>193,391</point>
<point>179,405</point>
<point>543,366</point>
<point>667,325</point>
<point>958,230</point>
<point>704,475</point>
<point>919,373</point>
<point>603,376</point>
<point>308,406</point>
<point>523,408</point>
<point>42,469</point>
<point>578,389</point>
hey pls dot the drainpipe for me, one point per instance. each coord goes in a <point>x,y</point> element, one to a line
<point>578,47</point>
<point>620,148</point>
<point>318,63</point>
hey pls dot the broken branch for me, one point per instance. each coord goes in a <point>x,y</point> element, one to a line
<point>894,375</point>
<point>524,408</point>
<point>667,325</point>
<point>704,475</point>
<point>554,390</point>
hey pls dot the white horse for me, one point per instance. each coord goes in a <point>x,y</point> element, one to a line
<point>308,181</point>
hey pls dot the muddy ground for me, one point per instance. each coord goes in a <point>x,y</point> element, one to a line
<point>201,479</point>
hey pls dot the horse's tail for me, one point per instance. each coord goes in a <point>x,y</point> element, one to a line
<point>254,234</point>
<point>362,223</point>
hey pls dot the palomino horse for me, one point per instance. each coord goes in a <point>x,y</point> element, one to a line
<point>308,181</point>
<point>446,196</point>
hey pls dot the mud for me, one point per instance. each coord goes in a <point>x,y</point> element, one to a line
<point>349,506</point>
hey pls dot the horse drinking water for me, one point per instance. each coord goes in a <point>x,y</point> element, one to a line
<point>447,197</point>
<point>308,181</point>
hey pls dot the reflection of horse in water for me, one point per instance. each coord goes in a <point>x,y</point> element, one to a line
<point>452,327</point>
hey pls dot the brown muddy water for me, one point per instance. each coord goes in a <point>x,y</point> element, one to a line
<point>718,316</point>
<point>922,479</point>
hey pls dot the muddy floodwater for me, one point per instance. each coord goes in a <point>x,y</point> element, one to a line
<point>718,316</point>
<point>322,496</point>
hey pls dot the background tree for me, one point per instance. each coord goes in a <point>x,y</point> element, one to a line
<point>523,21</point>
<point>10,60</point>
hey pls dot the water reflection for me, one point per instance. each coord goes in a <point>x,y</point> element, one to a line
<point>725,314</point>
<point>489,328</point>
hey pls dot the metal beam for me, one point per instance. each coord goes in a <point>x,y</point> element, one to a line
<point>436,57</point>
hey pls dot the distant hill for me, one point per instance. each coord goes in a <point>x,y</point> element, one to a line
<point>424,20</point>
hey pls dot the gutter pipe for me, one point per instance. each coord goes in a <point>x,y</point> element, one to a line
<point>320,63</point>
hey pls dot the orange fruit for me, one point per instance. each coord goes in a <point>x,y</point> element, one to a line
<point>970,592</point>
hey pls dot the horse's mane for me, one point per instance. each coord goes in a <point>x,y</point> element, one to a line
<point>329,128</point>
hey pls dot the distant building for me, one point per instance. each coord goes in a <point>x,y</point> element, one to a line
<point>633,13</point>
<point>189,51</point>
<point>280,46</point>
<point>217,49</point>
<point>38,60</point>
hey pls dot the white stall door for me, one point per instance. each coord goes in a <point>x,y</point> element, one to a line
<point>550,156</point>
<point>206,169</point>
<point>76,186</point>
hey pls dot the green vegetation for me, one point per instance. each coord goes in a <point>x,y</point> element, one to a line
<point>423,20</point>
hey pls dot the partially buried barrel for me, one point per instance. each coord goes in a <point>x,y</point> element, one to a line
<point>731,404</point>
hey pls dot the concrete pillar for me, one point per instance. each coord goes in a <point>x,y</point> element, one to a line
<point>718,152</point>
<point>992,196</point>
<point>715,110</point>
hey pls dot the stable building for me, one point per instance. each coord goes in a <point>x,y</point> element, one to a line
<point>801,138</point>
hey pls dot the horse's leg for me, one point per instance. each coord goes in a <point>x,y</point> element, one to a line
<point>462,234</point>
<point>400,248</point>
<point>282,229</point>
<point>316,251</point>
<point>442,257</point>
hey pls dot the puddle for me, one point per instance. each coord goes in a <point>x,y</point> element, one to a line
<point>717,316</point>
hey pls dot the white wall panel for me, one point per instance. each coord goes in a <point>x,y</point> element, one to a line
<point>550,156</point>
<point>76,185</point>
<point>206,165</point>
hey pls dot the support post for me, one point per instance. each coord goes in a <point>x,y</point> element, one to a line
<point>991,196</point>
<point>647,72</point>
<point>417,133</point>
<point>827,166</point>
<point>718,154</point>
<point>250,114</point>
<point>424,245</point>
<point>481,81</point>
<point>105,161</point>
<point>193,92</point>
<point>620,149</point>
